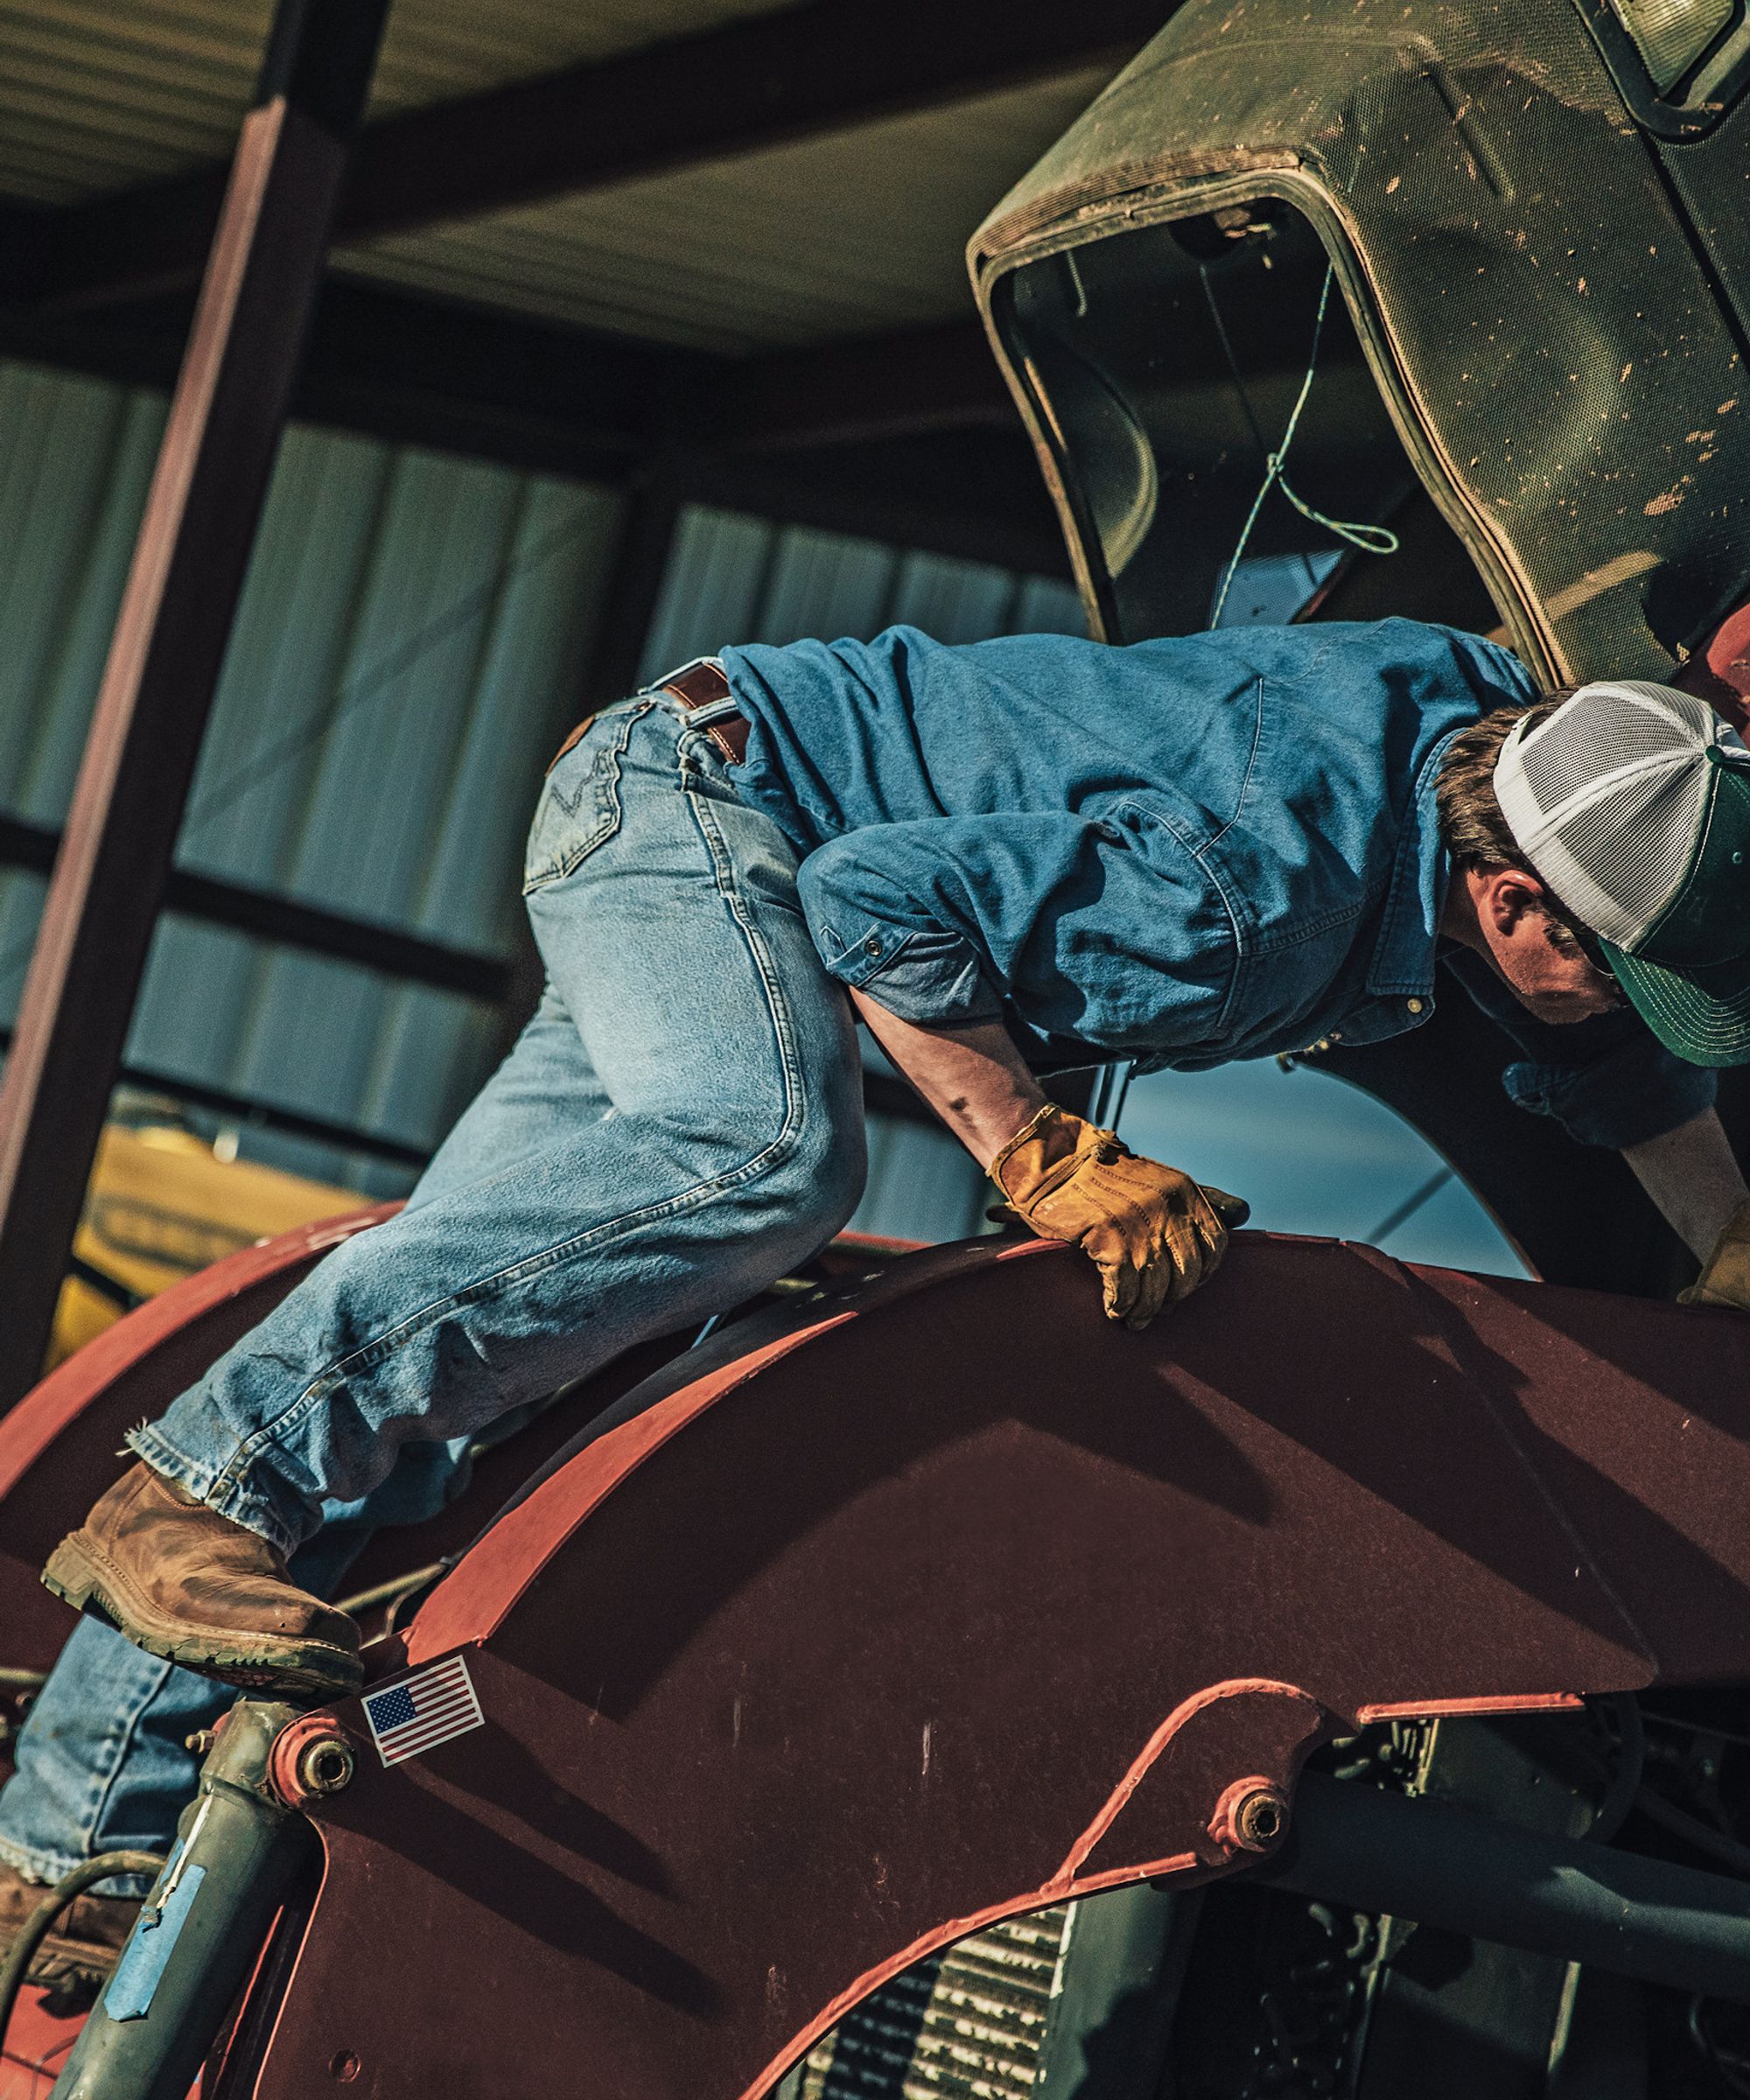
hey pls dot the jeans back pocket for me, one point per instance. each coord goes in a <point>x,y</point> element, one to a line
<point>579,805</point>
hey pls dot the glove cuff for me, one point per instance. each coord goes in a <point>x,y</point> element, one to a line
<point>1044,1153</point>
<point>1045,1141</point>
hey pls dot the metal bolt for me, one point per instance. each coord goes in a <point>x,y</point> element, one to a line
<point>203,1738</point>
<point>326,1766</point>
<point>1260,1819</point>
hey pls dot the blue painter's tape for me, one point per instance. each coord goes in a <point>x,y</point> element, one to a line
<point>136,1981</point>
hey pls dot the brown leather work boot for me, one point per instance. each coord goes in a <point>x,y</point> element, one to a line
<point>187,1584</point>
<point>87,1936</point>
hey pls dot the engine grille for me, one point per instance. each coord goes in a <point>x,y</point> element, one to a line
<point>964,2025</point>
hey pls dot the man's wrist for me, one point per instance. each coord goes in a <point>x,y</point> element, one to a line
<point>1049,1136</point>
<point>971,1075</point>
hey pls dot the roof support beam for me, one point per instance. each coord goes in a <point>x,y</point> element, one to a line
<point>175,618</point>
<point>742,88</point>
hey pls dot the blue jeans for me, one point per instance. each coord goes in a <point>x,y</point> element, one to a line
<point>679,1125</point>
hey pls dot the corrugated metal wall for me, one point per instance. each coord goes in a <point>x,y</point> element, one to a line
<point>407,654</point>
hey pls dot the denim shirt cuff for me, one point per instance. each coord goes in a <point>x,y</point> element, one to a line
<point>1625,1099</point>
<point>925,977</point>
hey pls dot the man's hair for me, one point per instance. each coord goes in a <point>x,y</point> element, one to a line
<point>1471,823</point>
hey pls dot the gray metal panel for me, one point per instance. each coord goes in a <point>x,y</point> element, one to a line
<point>738,579</point>
<point>75,457</point>
<point>922,1185</point>
<point>407,653</point>
<point>432,615</point>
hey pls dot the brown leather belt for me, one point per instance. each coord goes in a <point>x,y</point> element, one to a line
<point>701,685</point>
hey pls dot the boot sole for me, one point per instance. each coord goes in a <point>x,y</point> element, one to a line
<point>82,1576</point>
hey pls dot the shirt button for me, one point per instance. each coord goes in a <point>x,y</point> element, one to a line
<point>1336,1035</point>
<point>871,946</point>
<point>1415,1005</point>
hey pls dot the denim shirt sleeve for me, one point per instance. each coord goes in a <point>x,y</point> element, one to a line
<point>1609,1081</point>
<point>873,902</point>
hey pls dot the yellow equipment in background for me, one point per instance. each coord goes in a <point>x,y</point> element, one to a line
<point>162,1203</point>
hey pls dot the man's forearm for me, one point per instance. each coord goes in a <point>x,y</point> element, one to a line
<point>1692,1176</point>
<point>974,1077</point>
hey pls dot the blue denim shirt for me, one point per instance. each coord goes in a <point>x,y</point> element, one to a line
<point>1183,851</point>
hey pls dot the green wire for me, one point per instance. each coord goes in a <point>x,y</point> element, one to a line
<point>1370,539</point>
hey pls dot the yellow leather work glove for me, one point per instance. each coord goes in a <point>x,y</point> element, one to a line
<point>1724,1280</point>
<point>1151,1232</point>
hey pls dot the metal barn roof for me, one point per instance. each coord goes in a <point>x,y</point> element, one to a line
<point>858,230</point>
<point>98,94</point>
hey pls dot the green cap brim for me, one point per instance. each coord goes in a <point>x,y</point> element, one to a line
<point>1704,1015</point>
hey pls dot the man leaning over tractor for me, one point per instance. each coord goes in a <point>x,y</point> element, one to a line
<point>1021,854</point>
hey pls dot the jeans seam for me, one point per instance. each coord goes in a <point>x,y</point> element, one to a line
<point>37,1866</point>
<point>788,1063</point>
<point>292,1418</point>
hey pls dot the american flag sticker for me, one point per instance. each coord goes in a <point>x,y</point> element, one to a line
<point>423,1711</point>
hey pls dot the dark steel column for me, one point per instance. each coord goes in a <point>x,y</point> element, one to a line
<point>189,561</point>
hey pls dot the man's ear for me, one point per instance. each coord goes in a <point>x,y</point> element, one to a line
<point>1508,894</point>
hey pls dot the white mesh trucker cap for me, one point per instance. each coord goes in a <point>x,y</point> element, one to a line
<point>1632,801</point>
